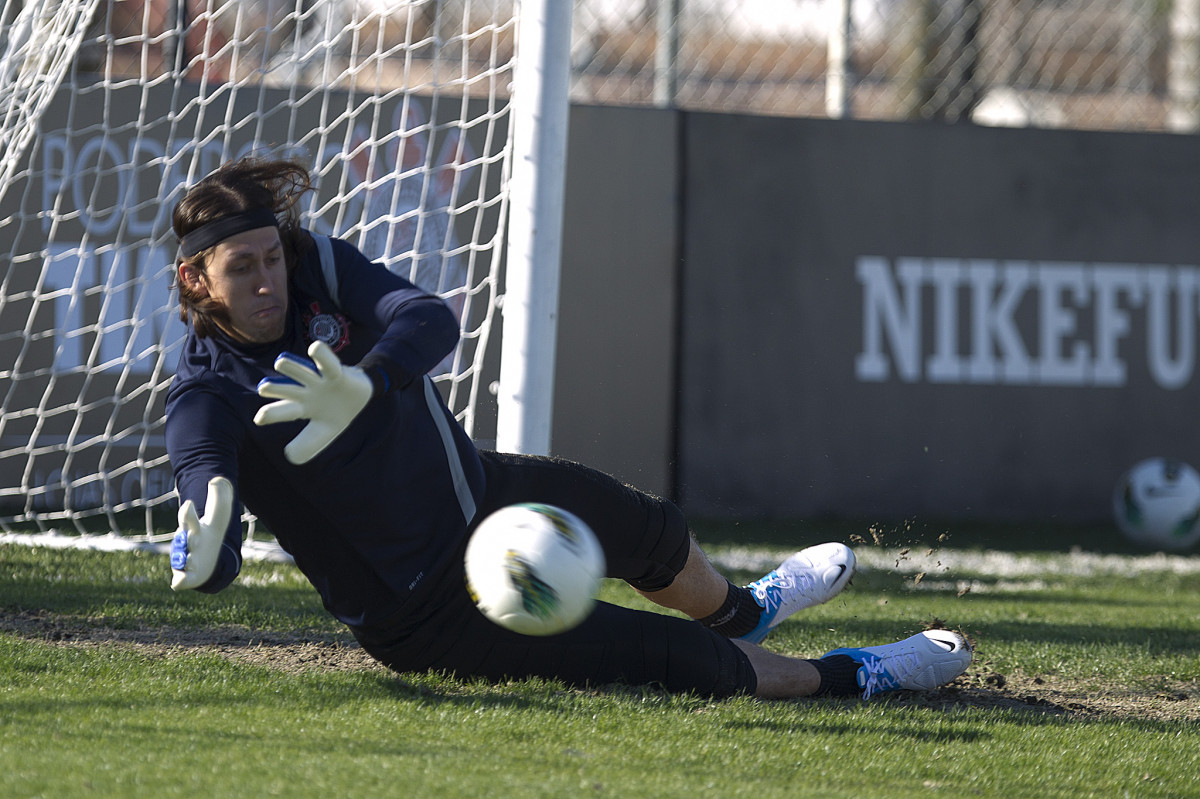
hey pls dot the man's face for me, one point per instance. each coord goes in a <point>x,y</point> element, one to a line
<point>247,275</point>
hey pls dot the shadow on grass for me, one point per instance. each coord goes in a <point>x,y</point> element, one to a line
<point>1163,640</point>
<point>346,674</point>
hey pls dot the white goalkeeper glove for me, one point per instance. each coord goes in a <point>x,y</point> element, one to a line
<point>325,391</point>
<point>198,541</point>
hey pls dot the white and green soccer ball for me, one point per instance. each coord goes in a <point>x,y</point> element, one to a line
<point>534,568</point>
<point>1157,504</point>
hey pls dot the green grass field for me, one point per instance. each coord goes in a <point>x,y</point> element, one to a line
<point>1086,683</point>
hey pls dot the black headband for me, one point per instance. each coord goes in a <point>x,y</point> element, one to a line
<point>216,231</point>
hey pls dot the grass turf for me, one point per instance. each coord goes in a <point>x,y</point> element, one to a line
<point>100,698</point>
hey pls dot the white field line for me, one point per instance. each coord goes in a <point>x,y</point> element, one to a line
<point>251,550</point>
<point>979,563</point>
<point>939,569</point>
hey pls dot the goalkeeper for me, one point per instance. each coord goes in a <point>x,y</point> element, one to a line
<point>302,393</point>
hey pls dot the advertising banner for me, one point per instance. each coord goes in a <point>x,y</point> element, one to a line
<point>946,321</point>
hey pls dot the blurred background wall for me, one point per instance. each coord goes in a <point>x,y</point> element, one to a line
<point>797,317</point>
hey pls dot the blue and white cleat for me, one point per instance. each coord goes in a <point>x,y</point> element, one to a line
<point>920,662</point>
<point>810,577</point>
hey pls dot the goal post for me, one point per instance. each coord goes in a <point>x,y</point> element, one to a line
<point>406,112</point>
<point>542,83</point>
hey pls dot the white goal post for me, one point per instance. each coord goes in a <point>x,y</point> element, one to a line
<point>409,112</point>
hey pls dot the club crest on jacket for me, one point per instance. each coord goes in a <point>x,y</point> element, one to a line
<point>328,327</point>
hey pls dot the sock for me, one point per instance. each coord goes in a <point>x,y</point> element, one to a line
<point>737,616</point>
<point>839,676</point>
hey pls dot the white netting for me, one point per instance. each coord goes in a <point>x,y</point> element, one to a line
<point>399,106</point>
<point>38,42</point>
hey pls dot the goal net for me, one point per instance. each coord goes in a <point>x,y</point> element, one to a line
<point>112,107</point>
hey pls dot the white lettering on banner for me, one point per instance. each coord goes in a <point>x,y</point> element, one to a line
<point>90,491</point>
<point>133,319</point>
<point>142,176</point>
<point>1081,314</point>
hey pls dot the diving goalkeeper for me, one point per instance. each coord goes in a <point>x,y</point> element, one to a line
<point>302,393</point>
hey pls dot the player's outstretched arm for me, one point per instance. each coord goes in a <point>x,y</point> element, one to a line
<point>324,390</point>
<point>197,543</point>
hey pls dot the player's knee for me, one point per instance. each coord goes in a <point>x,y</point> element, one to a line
<point>702,662</point>
<point>668,543</point>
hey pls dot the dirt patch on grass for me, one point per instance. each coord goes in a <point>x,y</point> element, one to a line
<point>979,687</point>
<point>1053,696</point>
<point>285,651</point>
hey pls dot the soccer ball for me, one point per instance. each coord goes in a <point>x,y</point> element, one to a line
<point>1157,504</point>
<point>534,569</point>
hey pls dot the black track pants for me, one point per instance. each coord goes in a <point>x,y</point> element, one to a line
<point>645,540</point>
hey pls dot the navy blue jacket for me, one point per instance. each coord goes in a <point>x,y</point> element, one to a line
<point>387,503</point>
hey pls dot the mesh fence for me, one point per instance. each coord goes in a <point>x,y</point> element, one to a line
<point>1097,64</point>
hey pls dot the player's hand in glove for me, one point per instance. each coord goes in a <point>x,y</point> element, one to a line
<point>198,541</point>
<point>324,390</point>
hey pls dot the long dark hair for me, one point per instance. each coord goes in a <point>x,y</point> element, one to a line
<point>240,185</point>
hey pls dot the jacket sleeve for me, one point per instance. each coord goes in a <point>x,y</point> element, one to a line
<point>202,442</point>
<point>417,329</point>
